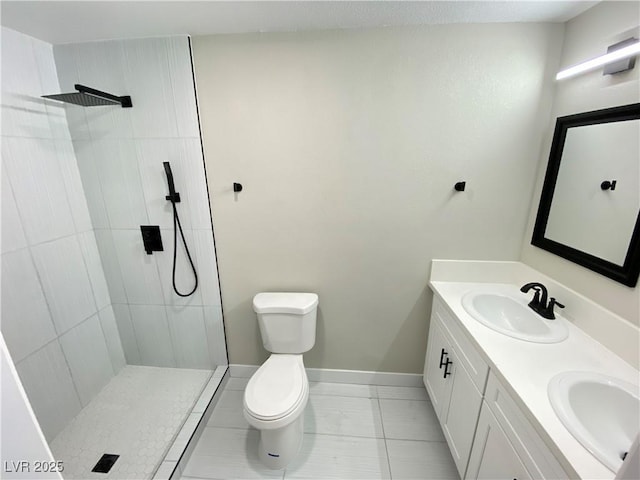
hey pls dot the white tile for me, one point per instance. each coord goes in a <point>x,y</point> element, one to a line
<point>26,322</point>
<point>410,459</point>
<point>207,267</point>
<point>188,334</point>
<point>179,57</point>
<point>137,415</point>
<point>402,393</point>
<point>139,270</point>
<point>86,160</point>
<point>127,334</point>
<point>184,277</point>
<point>342,389</point>
<point>100,66</point>
<point>73,185</point>
<point>187,166</point>
<point>93,262</point>
<point>358,417</point>
<point>65,282</point>
<point>201,406</point>
<point>32,166</point>
<point>410,420</point>
<point>149,83</point>
<point>66,67</point>
<point>85,349</point>
<point>112,338</point>
<point>152,335</point>
<point>215,335</point>
<point>328,456</point>
<point>165,470</point>
<point>23,111</point>
<point>47,381</point>
<point>46,67</point>
<point>65,60</point>
<point>117,167</point>
<point>110,265</point>
<point>152,152</point>
<point>13,237</point>
<point>194,183</point>
<point>235,383</point>
<point>49,84</point>
<point>180,442</point>
<point>229,411</point>
<point>228,453</point>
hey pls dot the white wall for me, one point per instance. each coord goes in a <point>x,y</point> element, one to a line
<point>348,144</point>
<point>120,153</point>
<point>56,310</point>
<point>588,36</point>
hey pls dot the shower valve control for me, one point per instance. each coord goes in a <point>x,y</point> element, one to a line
<point>151,238</point>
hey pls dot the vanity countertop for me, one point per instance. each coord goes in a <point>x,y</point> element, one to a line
<point>525,369</point>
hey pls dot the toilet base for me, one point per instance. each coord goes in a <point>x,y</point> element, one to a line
<point>280,446</point>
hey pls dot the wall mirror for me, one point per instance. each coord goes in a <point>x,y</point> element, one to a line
<point>589,209</point>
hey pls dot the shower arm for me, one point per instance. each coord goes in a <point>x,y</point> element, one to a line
<point>125,100</point>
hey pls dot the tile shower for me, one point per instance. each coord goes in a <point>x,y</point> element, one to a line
<point>90,320</point>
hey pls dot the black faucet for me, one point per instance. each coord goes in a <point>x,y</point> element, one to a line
<point>539,302</point>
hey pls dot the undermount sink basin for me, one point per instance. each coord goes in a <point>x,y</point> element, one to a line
<point>601,412</point>
<point>505,309</point>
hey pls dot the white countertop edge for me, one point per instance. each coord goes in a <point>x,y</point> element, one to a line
<point>508,358</point>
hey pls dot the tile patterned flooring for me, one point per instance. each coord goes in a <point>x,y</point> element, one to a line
<point>351,432</point>
<point>136,415</point>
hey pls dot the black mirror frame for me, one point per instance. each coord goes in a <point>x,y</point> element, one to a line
<point>626,274</point>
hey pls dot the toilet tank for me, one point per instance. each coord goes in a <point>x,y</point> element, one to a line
<point>287,320</point>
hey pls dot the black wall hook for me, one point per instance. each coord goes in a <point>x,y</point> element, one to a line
<point>460,186</point>
<point>608,185</point>
<point>237,187</point>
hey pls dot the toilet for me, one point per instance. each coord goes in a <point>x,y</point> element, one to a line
<point>277,394</point>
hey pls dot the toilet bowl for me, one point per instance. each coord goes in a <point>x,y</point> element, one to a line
<point>277,394</point>
<point>274,403</point>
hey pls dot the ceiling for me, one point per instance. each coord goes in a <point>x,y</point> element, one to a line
<point>77,21</point>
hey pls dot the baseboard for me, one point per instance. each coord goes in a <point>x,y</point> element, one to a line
<point>343,376</point>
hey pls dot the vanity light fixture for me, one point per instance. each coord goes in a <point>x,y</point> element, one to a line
<point>620,51</point>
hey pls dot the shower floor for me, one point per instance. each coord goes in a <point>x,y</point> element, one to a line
<point>136,415</point>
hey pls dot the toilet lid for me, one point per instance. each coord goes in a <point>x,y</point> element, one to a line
<point>276,389</point>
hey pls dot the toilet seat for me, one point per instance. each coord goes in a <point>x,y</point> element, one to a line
<point>277,389</point>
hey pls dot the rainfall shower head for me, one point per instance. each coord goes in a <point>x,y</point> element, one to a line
<point>90,97</point>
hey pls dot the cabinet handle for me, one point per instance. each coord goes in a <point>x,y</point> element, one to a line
<point>446,368</point>
<point>443,352</point>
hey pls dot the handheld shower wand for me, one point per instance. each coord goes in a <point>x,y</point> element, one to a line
<point>174,197</point>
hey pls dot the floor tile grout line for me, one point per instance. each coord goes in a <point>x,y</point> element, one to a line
<point>384,438</point>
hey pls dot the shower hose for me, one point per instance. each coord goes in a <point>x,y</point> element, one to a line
<point>177,226</point>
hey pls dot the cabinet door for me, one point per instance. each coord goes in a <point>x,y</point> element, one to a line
<point>437,386</point>
<point>459,421</point>
<point>493,457</point>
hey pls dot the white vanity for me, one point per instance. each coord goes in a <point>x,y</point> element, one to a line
<point>490,388</point>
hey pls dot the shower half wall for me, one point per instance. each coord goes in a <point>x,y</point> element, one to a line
<point>82,303</point>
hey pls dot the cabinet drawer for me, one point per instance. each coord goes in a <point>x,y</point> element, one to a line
<point>532,450</point>
<point>473,363</point>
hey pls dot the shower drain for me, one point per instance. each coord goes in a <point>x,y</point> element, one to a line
<point>105,463</point>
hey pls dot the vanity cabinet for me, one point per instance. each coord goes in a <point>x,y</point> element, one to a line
<point>506,446</point>
<point>454,376</point>
<point>493,456</point>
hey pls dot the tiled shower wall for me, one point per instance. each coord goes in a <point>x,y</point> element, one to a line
<point>56,318</point>
<point>120,152</point>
